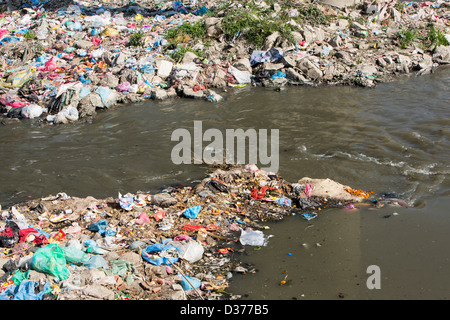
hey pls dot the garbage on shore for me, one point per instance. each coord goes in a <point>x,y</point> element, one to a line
<point>180,243</point>
<point>62,61</point>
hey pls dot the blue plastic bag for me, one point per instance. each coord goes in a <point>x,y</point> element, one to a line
<point>150,254</point>
<point>193,283</point>
<point>96,262</point>
<point>284,201</point>
<point>192,212</point>
<point>25,291</point>
<point>100,227</point>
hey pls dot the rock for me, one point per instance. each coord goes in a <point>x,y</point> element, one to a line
<point>342,23</point>
<point>335,42</point>
<point>381,62</point>
<point>109,80</point>
<point>188,57</point>
<point>188,92</point>
<point>310,69</point>
<point>243,64</point>
<point>271,41</point>
<point>289,61</point>
<point>163,200</point>
<point>159,94</point>
<point>132,257</point>
<point>98,291</point>
<point>268,66</point>
<point>329,189</point>
<point>340,3</point>
<point>60,119</point>
<point>367,68</point>
<point>89,104</point>
<point>441,54</point>
<point>83,44</point>
<point>404,62</point>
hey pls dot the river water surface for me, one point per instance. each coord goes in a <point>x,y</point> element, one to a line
<point>394,138</point>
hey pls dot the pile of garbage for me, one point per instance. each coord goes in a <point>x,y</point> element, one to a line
<point>180,243</point>
<point>63,61</point>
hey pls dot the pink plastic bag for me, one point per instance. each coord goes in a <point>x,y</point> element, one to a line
<point>50,65</point>
<point>96,41</point>
<point>143,218</point>
<point>124,86</point>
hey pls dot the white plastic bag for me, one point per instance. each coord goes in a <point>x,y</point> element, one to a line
<point>253,238</point>
<point>192,251</point>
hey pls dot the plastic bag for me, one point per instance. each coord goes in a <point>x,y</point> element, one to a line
<point>75,255</point>
<point>191,251</point>
<point>120,267</point>
<point>190,283</point>
<point>32,111</point>
<point>124,86</point>
<point>10,235</point>
<point>158,254</point>
<point>96,262</point>
<point>100,227</point>
<point>240,76</point>
<point>27,290</point>
<point>253,238</point>
<point>21,76</point>
<point>192,212</point>
<point>50,259</point>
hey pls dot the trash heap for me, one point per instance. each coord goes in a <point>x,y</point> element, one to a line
<point>180,243</point>
<point>63,61</point>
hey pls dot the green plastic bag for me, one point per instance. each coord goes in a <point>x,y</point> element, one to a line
<point>74,255</point>
<point>19,276</point>
<point>50,259</point>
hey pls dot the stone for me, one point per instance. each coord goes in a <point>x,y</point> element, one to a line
<point>159,94</point>
<point>219,79</point>
<point>109,80</point>
<point>342,23</point>
<point>329,189</point>
<point>83,44</point>
<point>188,92</point>
<point>335,42</point>
<point>243,64</point>
<point>294,75</point>
<point>367,68</point>
<point>341,3</point>
<point>163,200</point>
<point>268,66</point>
<point>271,40</point>
<point>188,57</point>
<point>98,291</point>
<point>441,54</point>
<point>132,257</point>
<point>88,104</point>
<point>310,69</point>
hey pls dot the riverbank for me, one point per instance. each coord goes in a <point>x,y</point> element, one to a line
<point>61,64</point>
<point>181,243</point>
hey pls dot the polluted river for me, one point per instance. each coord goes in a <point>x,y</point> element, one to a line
<point>392,139</point>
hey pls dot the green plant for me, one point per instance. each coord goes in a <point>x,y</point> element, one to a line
<point>181,50</point>
<point>255,26</point>
<point>195,30</point>
<point>29,35</point>
<point>436,37</point>
<point>136,39</point>
<point>312,15</point>
<point>406,38</point>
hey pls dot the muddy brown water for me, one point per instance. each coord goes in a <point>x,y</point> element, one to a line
<point>390,139</point>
